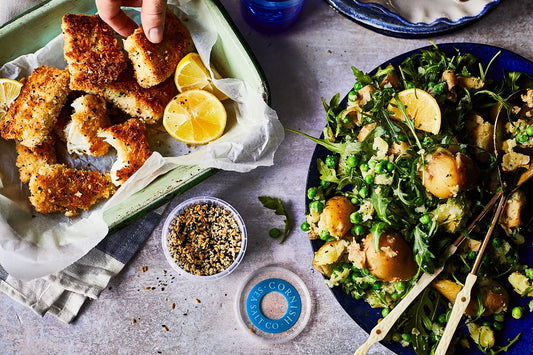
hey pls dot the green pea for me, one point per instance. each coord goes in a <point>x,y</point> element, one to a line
<point>311,193</point>
<point>406,337</point>
<point>324,235</point>
<point>357,229</point>
<point>369,179</point>
<point>425,219</point>
<point>390,166</point>
<point>497,326</point>
<point>356,218</point>
<point>400,286</point>
<point>305,226</point>
<point>372,164</point>
<point>357,86</point>
<point>439,88</point>
<point>522,138</point>
<point>394,296</point>
<point>352,96</point>
<point>331,161</point>
<point>351,161</point>
<point>409,85</point>
<point>431,84</point>
<point>316,206</point>
<point>385,312</point>
<point>354,200</point>
<point>442,318</point>
<point>486,324</point>
<point>529,273</point>
<point>363,192</point>
<point>496,242</point>
<point>363,167</point>
<point>499,317</point>
<point>274,233</point>
<point>517,312</point>
<point>529,131</point>
<point>324,183</point>
<point>379,168</point>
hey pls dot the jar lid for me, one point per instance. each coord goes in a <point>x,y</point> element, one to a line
<point>273,304</point>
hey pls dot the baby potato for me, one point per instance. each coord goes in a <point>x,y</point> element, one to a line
<point>335,218</point>
<point>328,255</point>
<point>445,173</point>
<point>494,297</point>
<point>393,262</point>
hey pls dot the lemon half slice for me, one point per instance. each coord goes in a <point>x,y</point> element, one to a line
<point>421,107</point>
<point>192,74</point>
<point>195,117</point>
<point>9,91</point>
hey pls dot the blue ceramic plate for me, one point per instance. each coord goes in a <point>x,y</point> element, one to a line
<point>360,311</point>
<point>382,20</point>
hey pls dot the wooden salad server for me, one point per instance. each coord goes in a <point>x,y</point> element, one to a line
<point>381,329</point>
<point>510,182</point>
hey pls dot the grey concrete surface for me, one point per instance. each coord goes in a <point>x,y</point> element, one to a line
<point>310,61</point>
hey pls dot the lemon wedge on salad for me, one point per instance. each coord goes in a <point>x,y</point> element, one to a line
<point>195,117</point>
<point>420,107</point>
<point>191,74</point>
<point>9,91</point>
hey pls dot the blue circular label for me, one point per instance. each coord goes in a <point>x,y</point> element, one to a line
<point>256,315</point>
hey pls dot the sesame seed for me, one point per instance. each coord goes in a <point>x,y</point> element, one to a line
<point>204,239</point>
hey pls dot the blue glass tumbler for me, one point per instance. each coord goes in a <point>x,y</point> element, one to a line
<point>271,16</point>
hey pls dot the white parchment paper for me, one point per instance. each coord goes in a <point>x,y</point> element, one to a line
<point>33,245</point>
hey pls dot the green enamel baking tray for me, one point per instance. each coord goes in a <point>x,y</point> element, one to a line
<point>36,27</point>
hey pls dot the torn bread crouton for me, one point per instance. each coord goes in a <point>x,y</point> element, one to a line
<point>57,188</point>
<point>90,115</point>
<point>131,143</point>
<point>30,160</point>
<point>153,63</point>
<point>91,50</point>
<point>32,116</point>
<point>126,94</point>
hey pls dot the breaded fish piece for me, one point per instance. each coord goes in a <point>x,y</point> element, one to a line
<point>126,94</point>
<point>131,143</point>
<point>57,188</point>
<point>32,116</point>
<point>30,160</point>
<point>91,50</point>
<point>90,115</point>
<point>155,62</point>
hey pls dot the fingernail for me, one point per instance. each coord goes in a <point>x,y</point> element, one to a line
<point>155,35</point>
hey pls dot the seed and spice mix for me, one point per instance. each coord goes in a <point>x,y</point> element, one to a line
<point>204,239</point>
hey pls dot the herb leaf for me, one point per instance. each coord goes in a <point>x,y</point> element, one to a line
<point>276,205</point>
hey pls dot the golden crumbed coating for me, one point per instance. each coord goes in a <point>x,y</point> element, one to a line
<point>126,94</point>
<point>91,50</point>
<point>90,115</point>
<point>131,143</point>
<point>155,62</point>
<point>30,160</point>
<point>56,188</point>
<point>32,116</point>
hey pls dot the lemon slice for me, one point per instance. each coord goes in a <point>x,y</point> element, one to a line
<point>421,107</point>
<point>195,117</point>
<point>191,74</point>
<point>9,90</point>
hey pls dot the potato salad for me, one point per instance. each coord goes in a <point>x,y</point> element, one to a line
<point>410,163</point>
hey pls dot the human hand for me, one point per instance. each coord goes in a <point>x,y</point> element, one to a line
<point>152,17</point>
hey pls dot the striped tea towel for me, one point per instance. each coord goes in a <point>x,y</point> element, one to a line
<point>62,294</point>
